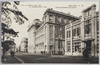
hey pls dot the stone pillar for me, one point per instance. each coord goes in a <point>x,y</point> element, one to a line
<point>54,37</point>
<point>82,26</point>
<point>92,48</point>
<point>34,39</point>
<point>54,33</point>
<point>71,37</point>
<point>53,19</point>
<point>47,18</point>
<point>93,23</point>
<point>83,44</point>
<point>65,40</point>
<point>93,30</point>
<point>96,54</point>
<point>47,38</point>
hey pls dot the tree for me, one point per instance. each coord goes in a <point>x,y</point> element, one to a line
<point>10,8</point>
<point>7,10</point>
<point>6,44</point>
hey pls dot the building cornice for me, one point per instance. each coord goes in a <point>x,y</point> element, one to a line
<point>89,8</point>
<point>61,13</point>
<point>30,27</point>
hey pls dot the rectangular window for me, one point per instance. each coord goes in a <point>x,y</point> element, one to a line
<point>45,18</point>
<point>67,22</point>
<point>69,33</point>
<point>51,18</point>
<point>74,33</point>
<point>97,25</point>
<point>87,27</point>
<point>86,15</point>
<point>68,47</point>
<point>78,31</point>
<point>90,14</point>
<point>77,47</point>
<point>56,31</point>
<point>63,32</point>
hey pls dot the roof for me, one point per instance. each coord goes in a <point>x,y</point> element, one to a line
<point>35,23</point>
<point>61,13</point>
<point>30,27</point>
<point>89,8</point>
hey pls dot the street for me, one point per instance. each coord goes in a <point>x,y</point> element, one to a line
<point>38,58</point>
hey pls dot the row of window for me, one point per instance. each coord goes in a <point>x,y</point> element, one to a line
<point>87,27</point>
<point>51,34</point>
<point>40,39</point>
<point>76,32</point>
<point>58,19</point>
<point>40,46</point>
<point>40,32</point>
<point>59,31</point>
<point>76,47</point>
<point>88,15</point>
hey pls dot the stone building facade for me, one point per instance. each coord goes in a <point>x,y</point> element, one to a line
<point>31,38</point>
<point>50,36</point>
<point>83,34</point>
<point>61,33</point>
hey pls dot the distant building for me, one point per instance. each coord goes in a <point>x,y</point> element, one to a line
<point>83,34</point>
<point>31,35</point>
<point>24,45</point>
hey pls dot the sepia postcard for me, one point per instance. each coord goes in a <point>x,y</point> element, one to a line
<point>50,32</point>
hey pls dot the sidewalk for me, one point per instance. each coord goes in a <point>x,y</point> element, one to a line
<point>10,60</point>
<point>31,53</point>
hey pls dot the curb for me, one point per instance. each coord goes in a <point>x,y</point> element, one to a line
<point>20,60</point>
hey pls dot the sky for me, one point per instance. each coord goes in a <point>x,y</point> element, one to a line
<point>35,10</point>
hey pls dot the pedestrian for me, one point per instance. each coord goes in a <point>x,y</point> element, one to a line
<point>85,54</point>
<point>12,53</point>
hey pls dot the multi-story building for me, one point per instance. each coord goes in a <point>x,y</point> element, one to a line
<point>83,34</point>
<point>31,35</point>
<point>24,45</point>
<point>50,36</point>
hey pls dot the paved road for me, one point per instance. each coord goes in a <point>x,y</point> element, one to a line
<point>10,59</point>
<point>38,58</point>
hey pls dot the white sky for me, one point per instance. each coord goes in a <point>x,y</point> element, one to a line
<point>33,13</point>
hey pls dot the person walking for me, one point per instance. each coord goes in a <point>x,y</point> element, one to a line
<point>12,53</point>
<point>85,54</point>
